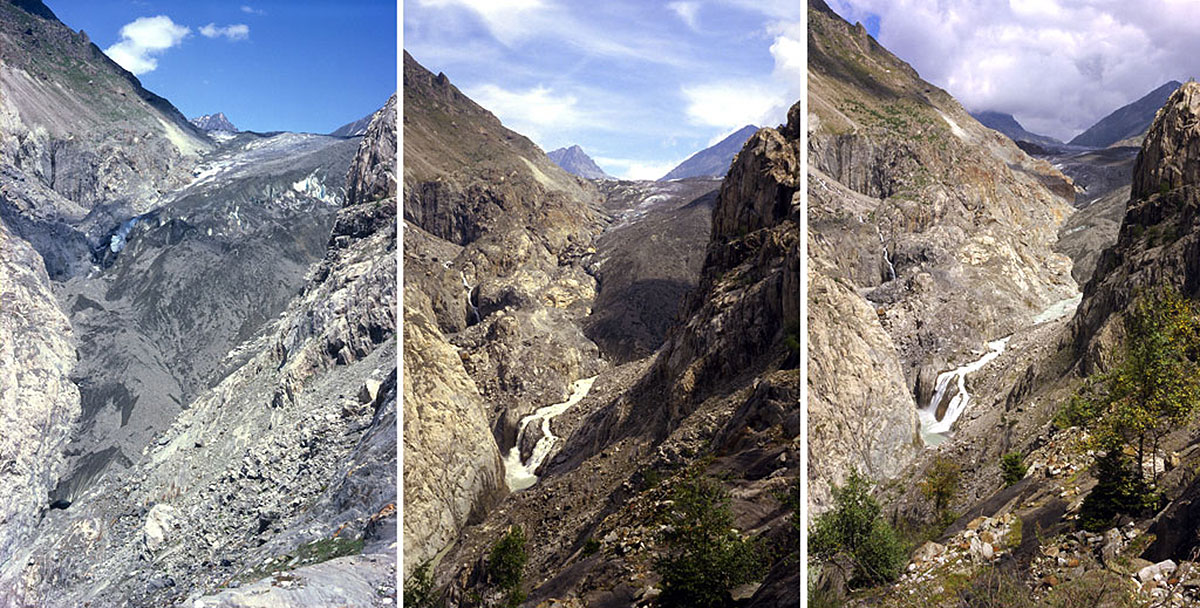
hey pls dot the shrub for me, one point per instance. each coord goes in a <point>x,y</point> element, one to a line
<point>854,528</point>
<point>706,557</point>
<point>1013,468</point>
<point>941,483</point>
<point>506,562</point>
<point>590,546</point>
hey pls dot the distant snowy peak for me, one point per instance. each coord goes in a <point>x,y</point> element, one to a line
<point>214,122</point>
<point>575,161</point>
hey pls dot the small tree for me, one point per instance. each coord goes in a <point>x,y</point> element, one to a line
<point>854,528</point>
<point>706,557</point>
<point>418,589</point>
<point>1119,491</point>
<point>1013,468</point>
<point>506,564</point>
<point>941,483</point>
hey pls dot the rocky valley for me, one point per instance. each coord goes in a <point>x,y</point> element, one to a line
<point>980,371</point>
<point>580,353</point>
<point>199,335</point>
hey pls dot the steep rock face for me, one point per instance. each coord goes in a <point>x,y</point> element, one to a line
<point>38,401</point>
<point>452,467</point>
<point>286,462</point>
<point>1159,240</point>
<point>942,226</point>
<point>720,396</point>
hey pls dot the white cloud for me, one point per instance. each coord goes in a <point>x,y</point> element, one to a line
<point>250,10</point>
<point>734,103</point>
<point>730,104</point>
<point>531,112</point>
<point>512,22</point>
<point>238,31</point>
<point>626,168</point>
<point>1057,66</point>
<point>687,12</point>
<point>143,39</point>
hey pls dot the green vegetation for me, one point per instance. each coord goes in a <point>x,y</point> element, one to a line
<point>1119,490</point>
<point>941,484</point>
<point>305,555</point>
<point>506,565</point>
<point>1012,465</point>
<point>706,557</point>
<point>418,589</point>
<point>1154,389</point>
<point>854,528</point>
<point>590,546</point>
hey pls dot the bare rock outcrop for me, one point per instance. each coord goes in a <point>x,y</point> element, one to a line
<point>38,401</point>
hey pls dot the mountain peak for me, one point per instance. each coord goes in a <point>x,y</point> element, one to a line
<point>575,161</point>
<point>714,160</point>
<point>214,122</point>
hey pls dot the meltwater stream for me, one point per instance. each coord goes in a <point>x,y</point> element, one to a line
<point>520,475</point>
<point>933,430</point>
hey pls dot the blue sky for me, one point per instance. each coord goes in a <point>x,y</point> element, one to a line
<point>269,66</point>
<point>1058,66</point>
<point>639,85</point>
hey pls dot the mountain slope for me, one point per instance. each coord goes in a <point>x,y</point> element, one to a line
<point>1129,122</point>
<point>714,160</point>
<point>1006,124</point>
<point>576,162</point>
<point>214,122</point>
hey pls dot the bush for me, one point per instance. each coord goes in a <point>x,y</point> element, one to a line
<point>590,546</point>
<point>506,562</point>
<point>941,483</point>
<point>854,527</point>
<point>706,557</point>
<point>1013,468</point>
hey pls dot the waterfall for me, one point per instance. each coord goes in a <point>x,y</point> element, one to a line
<point>520,475</point>
<point>933,430</point>
<point>469,289</point>
<point>887,259</point>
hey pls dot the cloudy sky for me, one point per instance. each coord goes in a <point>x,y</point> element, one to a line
<point>269,66</point>
<point>639,85</point>
<point>1057,65</point>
